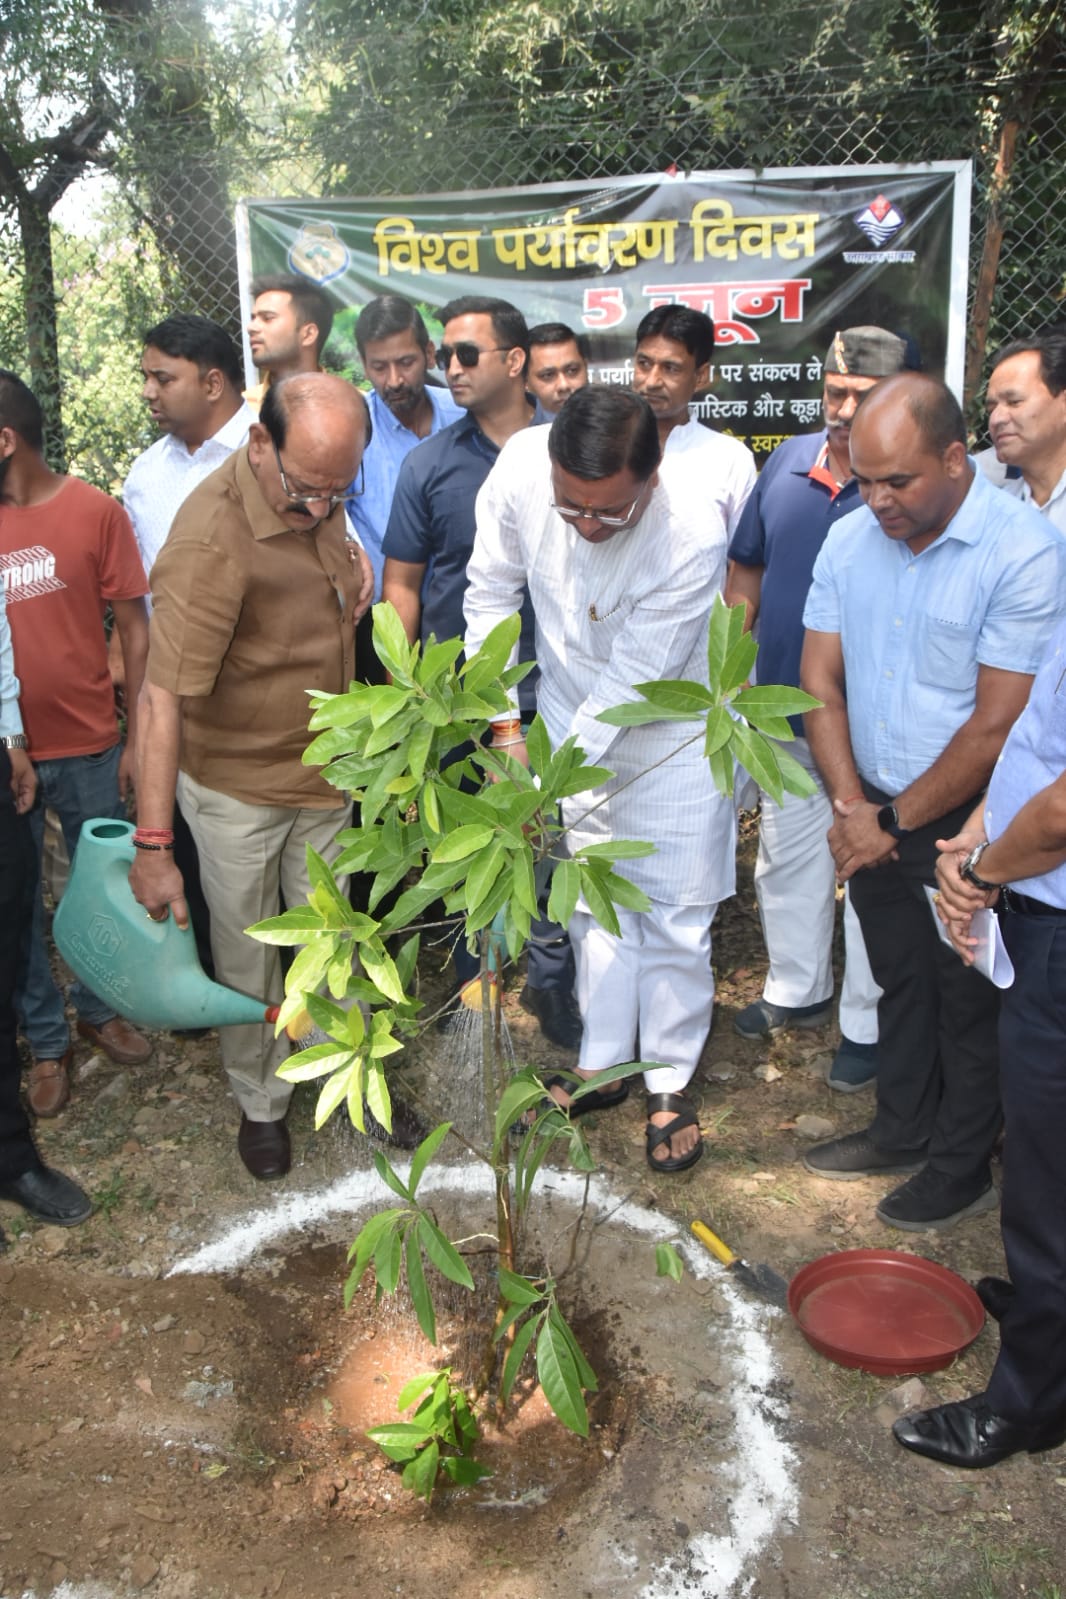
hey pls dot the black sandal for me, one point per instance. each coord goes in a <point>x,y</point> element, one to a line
<point>594,1099</point>
<point>685,1116</point>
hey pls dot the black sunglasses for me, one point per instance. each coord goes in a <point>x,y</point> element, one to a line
<point>465,353</point>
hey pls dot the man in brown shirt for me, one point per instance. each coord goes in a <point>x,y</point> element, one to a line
<point>255,594</point>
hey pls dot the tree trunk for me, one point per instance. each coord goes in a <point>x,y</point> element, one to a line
<point>41,342</point>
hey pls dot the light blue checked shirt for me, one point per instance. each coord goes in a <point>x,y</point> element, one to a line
<point>390,445</point>
<point>915,628</point>
<point>1033,758</point>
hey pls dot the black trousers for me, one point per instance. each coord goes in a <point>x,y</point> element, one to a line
<point>17,877</point>
<point>1029,1380</point>
<point>937,1055</point>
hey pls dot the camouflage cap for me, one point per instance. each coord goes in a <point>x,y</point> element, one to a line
<point>865,353</point>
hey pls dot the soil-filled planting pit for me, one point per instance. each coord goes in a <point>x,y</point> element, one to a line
<point>219,1446</point>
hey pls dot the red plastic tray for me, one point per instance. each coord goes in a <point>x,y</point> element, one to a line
<point>884,1311</point>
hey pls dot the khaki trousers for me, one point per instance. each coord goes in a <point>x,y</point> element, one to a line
<point>251,855</point>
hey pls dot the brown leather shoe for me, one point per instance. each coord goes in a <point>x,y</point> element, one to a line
<point>48,1085</point>
<point>119,1041</point>
<point>264,1148</point>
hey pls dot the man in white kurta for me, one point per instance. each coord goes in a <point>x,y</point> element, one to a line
<point>622,586</point>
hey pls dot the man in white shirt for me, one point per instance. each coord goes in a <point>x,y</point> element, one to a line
<point>622,584</point>
<point>192,387</point>
<point>1026,404</point>
<point>709,473</point>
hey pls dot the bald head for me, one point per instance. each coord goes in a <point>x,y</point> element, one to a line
<point>908,453</point>
<point>306,447</point>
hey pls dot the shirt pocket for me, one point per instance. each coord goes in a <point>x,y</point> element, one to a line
<point>947,654</point>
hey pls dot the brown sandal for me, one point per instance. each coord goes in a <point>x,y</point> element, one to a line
<point>48,1085</point>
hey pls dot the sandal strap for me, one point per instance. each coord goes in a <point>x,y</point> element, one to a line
<point>675,1102</point>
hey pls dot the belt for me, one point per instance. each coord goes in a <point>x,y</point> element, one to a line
<point>1022,905</point>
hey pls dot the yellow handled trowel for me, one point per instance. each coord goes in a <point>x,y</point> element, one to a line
<point>762,1280</point>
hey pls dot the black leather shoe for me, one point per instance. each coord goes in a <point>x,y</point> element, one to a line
<point>996,1294</point>
<point>407,1130</point>
<point>48,1196</point>
<point>264,1148</point>
<point>968,1433</point>
<point>556,1011</point>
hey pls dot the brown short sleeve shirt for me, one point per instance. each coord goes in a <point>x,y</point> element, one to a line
<point>247,617</point>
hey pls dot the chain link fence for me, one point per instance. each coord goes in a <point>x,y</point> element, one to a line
<point>170,239</point>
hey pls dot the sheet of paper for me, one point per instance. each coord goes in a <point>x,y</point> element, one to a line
<point>990,954</point>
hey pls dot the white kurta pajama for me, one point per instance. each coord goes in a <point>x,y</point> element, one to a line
<point>609,615</point>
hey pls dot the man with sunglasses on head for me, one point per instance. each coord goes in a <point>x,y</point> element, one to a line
<point>430,536</point>
<point>256,595</point>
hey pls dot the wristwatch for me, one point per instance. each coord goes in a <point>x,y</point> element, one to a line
<point>968,869</point>
<point>888,821</point>
<point>14,741</point>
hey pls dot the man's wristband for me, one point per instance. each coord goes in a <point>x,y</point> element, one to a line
<point>15,741</point>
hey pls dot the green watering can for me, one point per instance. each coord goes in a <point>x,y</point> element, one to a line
<point>149,971</point>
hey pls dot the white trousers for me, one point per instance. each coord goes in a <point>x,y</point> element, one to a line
<point>249,856</point>
<point>795,886</point>
<point>656,980</point>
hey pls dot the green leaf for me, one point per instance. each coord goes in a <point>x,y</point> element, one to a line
<point>288,927</point>
<point>557,1372</point>
<point>318,1061</point>
<point>795,778</point>
<point>516,1098</point>
<point>678,694</point>
<point>463,1471</point>
<point>483,874</point>
<point>388,1257</point>
<point>759,758</point>
<point>414,1387</point>
<point>400,1440</point>
<point>770,699</point>
<point>668,1262</point>
<point>379,966</point>
<point>566,886</point>
<point>443,1254</point>
<point>515,1356</point>
<point>518,1290</point>
<point>429,807</point>
<point>622,849</point>
<point>525,891</point>
<point>638,713</point>
<point>724,633</point>
<point>366,1241</point>
<point>425,1153</point>
<point>739,663</point>
<point>332,1093</point>
<point>463,842</point>
<point>420,1476</point>
<point>585,1373</point>
<point>356,1113</point>
<point>719,730</point>
<point>598,900</point>
<point>420,1297</point>
<point>490,660</point>
<point>390,643</point>
<point>721,762</point>
<point>376,1090</point>
<point>389,1177</point>
<point>625,893</point>
<point>538,746</point>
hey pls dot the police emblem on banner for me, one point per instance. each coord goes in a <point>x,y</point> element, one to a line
<point>318,253</point>
<point>879,220</point>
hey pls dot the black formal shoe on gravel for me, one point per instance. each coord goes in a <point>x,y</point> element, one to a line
<point>856,1155</point>
<point>932,1199</point>
<point>48,1196</point>
<point>264,1148</point>
<point>996,1294</point>
<point>968,1433</point>
<point>556,1012</point>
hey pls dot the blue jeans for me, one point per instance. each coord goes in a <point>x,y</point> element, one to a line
<point>78,788</point>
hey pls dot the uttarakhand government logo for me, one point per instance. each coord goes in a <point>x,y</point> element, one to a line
<point>880,220</point>
<point>318,253</point>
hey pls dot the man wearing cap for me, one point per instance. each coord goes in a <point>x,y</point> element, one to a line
<point>804,488</point>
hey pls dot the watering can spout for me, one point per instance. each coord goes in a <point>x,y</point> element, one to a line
<point>149,971</point>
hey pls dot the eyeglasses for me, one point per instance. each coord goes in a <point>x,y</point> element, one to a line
<point>465,353</point>
<point>315,497</point>
<point>570,513</point>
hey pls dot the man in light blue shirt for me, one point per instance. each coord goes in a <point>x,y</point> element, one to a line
<point>1012,851</point>
<point>24,1179</point>
<point>397,355</point>
<point>927,617</point>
